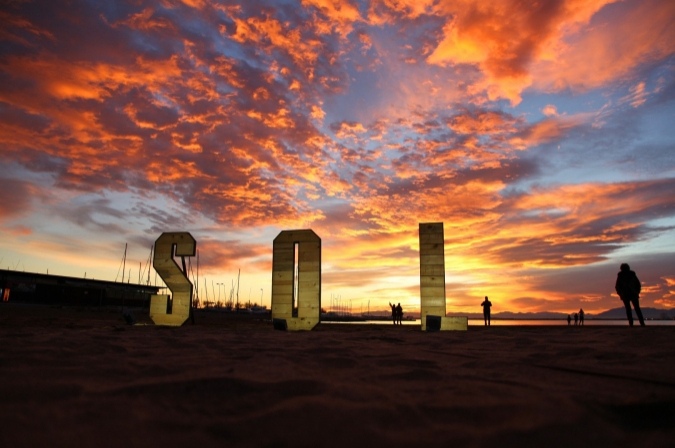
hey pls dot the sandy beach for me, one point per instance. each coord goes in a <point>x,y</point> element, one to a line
<point>76,377</point>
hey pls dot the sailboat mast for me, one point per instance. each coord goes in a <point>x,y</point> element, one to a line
<point>206,292</point>
<point>124,262</point>
<point>197,282</point>
<point>150,262</point>
<point>124,268</point>
<point>238,275</point>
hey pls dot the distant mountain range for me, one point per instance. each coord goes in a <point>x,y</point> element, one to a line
<point>614,313</point>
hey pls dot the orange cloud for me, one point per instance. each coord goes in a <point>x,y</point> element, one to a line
<point>20,230</point>
<point>387,11</point>
<point>317,113</point>
<point>349,129</point>
<point>504,39</point>
<point>339,14</point>
<point>549,129</point>
<point>199,4</point>
<point>638,95</point>
<point>218,255</point>
<point>590,57</point>
<point>146,21</point>
<point>271,34</point>
<point>162,171</point>
<point>550,110</point>
<point>483,122</point>
<point>278,120</point>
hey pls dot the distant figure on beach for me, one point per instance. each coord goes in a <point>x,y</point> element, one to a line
<point>576,319</point>
<point>128,317</point>
<point>569,319</point>
<point>486,310</point>
<point>628,287</point>
<point>393,312</point>
<point>581,316</point>
<point>399,314</point>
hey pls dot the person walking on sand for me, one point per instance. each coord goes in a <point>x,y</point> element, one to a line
<point>581,316</point>
<point>486,311</point>
<point>569,320</point>
<point>393,312</point>
<point>628,287</point>
<point>399,314</point>
<point>576,319</point>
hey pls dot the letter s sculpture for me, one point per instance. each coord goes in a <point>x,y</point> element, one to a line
<point>163,309</point>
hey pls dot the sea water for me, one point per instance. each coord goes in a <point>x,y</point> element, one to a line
<point>526,322</point>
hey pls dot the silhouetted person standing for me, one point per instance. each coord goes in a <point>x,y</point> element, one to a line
<point>576,319</point>
<point>628,287</point>
<point>399,314</point>
<point>581,316</point>
<point>569,320</point>
<point>486,310</point>
<point>393,312</point>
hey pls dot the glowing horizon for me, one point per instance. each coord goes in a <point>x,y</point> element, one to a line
<point>540,135</point>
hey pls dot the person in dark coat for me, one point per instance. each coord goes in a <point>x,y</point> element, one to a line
<point>628,287</point>
<point>486,310</point>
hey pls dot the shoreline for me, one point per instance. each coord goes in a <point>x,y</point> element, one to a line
<point>210,316</point>
<point>15,315</point>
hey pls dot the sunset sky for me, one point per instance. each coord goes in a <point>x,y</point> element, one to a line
<point>541,133</point>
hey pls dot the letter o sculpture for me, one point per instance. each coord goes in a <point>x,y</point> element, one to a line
<point>309,278</point>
